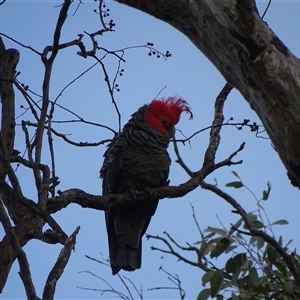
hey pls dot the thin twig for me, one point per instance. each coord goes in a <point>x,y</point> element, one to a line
<point>175,280</point>
<point>74,80</point>
<point>267,8</point>
<point>196,221</point>
<point>171,250</point>
<point>28,99</point>
<point>64,137</point>
<point>160,92</point>
<point>79,4</point>
<point>179,159</point>
<point>51,147</point>
<point>111,91</point>
<point>228,161</point>
<point>20,44</point>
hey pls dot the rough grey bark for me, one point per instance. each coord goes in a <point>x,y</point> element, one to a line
<point>8,62</point>
<point>232,35</point>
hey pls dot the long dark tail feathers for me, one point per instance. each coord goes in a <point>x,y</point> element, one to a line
<point>125,258</point>
<point>115,270</point>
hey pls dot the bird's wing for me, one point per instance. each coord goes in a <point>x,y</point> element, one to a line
<point>112,165</point>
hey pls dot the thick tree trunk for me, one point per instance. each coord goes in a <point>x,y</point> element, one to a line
<point>250,56</point>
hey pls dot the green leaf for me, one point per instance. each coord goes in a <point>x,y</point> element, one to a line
<point>254,276</point>
<point>235,226</point>
<point>203,247</point>
<point>204,294</point>
<point>281,267</point>
<point>206,248</point>
<point>208,236</point>
<point>280,241</point>
<point>240,259</point>
<point>252,217</point>
<point>239,235</point>
<point>226,285</point>
<point>220,247</point>
<point>215,283</point>
<point>230,248</point>
<point>235,184</point>
<point>219,231</point>
<point>280,222</point>
<point>272,254</point>
<point>289,287</point>
<point>267,192</point>
<point>230,266</point>
<point>235,174</point>
<point>243,282</point>
<point>286,246</point>
<point>258,241</point>
<point>235,278</point>
<point>207,277</point>
<point>258,225</point>
<point>246,265</point>
<point>234,296</point>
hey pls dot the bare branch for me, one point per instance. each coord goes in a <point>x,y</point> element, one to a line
<point>74,80</point>
<point>79,4</point>
<point>76,42</point>
<point>19,253</point>
<point>27,141</point>
<point>51,147</point>
<point>214,140</point>
<point>239,125</point>
<point>266,10</point>
<point>59,266</point>
<point>171,250</point>
<point>117,200</point>
<point>20,44</point>
<point>111,91</point>
<point>41,123</point>
<point>196,221</point>
<point>24,231</point>
<point>179,160</point>
<point>28,99</point>
<point>111,288</point>
<point>64,137</point>
<point>5,160</point>
<point>228,161</point>
<point>82,120</point>
<point>174,279</point>
<point>60,22</point>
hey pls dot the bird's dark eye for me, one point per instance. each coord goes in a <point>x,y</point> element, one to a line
<point>164,122</point>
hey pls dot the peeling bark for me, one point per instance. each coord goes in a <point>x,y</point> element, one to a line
<point>232,35</point>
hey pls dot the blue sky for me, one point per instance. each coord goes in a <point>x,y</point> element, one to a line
<point>188,74</point>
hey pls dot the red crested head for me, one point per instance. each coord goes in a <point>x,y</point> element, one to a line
<point>165,113</point>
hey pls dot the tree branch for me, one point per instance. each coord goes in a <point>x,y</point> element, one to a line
<point>8,62</point>
<point>59,266</point>
<point>19,253</point>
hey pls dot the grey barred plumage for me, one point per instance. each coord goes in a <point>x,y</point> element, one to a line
<point>137,160</point>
